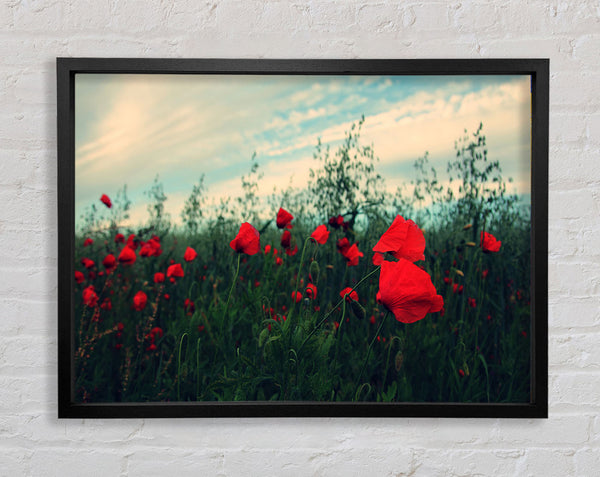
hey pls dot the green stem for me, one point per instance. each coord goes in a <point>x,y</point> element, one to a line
<point>224,317</point>
<point>291,313</point>
<point>369,352</point>
<point>328,314</point>
<point>179,366</point>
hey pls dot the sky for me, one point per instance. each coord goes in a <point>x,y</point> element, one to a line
<point>129,128</point>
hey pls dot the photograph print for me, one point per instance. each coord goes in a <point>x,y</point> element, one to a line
<point>302,238</point>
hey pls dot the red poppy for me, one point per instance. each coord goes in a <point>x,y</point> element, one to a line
<point>457,289</point>
<point>311,291</point>
<point>79,277</point>
<point>278,260</point>
<point>159,277</point>
<point>352,295</point>
<point>407,291</point>
<point>132,242</point>
<point>247,240</point>
<point>119,238</point>
<point>139,301</point>
<point>404,239</point>
<point>297,296</point>
<point>378,258</point>
<point>489,243</point>
<point>188,305</point>
<point>90,298</point>
<point>286,239</point>
<point>167,296</point>
<point>462,373</point>
<point>152,347</point>
<point>343,245</point>
<point>372,319</point>
<point>151,248</point>
<point>106,201</point>
<point>109,262</point>
<point>127,256</point>
<point>336,222</point>
<point>106,304</point>
<point>291,251</point>
<point>190,254</point>
<point>87,241</point>
<point>267,249</point>
<point>321,234</point>
<point>485,273</point>
<point>447,280</point>
<point>156,332</point>
<point>175,270</point>
<point>352,255</point>
<point>87,263</point>
<point>283,218</point>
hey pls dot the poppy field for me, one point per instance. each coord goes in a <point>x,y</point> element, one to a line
<point>341,291</point>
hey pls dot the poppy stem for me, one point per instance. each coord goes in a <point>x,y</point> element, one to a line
<point>224,317</point>
<point>306,242</point>
<point>369,352</point>
<point>328,314</point>
<point>237,271</point>
<point>185,335</point>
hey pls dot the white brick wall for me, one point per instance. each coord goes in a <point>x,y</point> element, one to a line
<point>33,442</point>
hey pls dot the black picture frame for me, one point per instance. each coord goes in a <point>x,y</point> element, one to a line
<point>538,69</point>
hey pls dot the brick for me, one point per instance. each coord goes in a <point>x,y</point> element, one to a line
<point>573,312</point>
<point>187,462</point>
<point>547,462</point>
<point>65,461</point>
<point>442,462</point>
<point>15,461</point>
<point>575,388</point>
<point>573,279</point>
<point>575,351</point>
<point>587,461</point>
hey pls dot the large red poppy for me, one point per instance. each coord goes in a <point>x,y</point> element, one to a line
<point>175,270</point>
<point>321,234</point>
<point>190,254</point>
<point>159,277</point>
<point>283,218</point>
<point>406,290</point>
<point>139,301</point>
<point>106,201</point>
<point>247,240</point>
<point>127,256</point>
<point>404,239</point>
<point>489,243</point>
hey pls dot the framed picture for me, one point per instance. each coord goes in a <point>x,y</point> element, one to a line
<point>302,237</point>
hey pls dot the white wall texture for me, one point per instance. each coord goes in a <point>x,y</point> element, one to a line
<point>34,442</point>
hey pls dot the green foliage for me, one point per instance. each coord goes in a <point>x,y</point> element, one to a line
<point>346,182</point>
<point>158,218</point>
<point>192,212</point>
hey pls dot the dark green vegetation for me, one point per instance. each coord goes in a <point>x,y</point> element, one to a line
<point>244,338</point>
